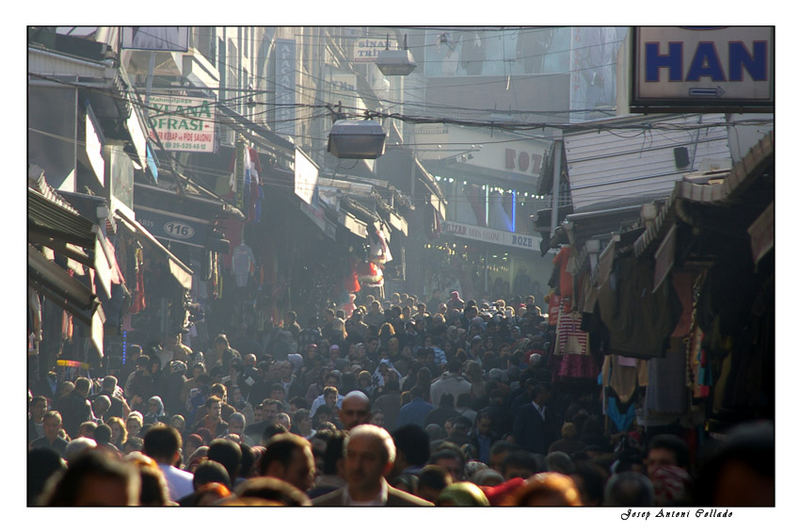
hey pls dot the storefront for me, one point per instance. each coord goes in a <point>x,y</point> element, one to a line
<point>680,310</point>
<point>486,263</point>
<point>68,273</point>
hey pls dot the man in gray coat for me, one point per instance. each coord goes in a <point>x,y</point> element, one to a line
<point>369,457</point>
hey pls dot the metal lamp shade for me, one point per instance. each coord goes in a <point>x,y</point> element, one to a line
<point>356,139</point>
<point>396,62</point>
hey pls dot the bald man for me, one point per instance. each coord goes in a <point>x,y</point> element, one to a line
<point>355,410</point>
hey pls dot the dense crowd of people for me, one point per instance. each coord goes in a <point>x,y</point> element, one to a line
<point>386,403</point>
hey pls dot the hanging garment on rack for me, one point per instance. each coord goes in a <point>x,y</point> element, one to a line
<point>622,420</point>
<point>242,263</point>
<point>666,387</point>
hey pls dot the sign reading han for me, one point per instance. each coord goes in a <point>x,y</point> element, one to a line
<point>701,68</point>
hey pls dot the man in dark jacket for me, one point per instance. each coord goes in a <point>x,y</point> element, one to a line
<point>369,457</point>
<point>530,431</point>
<point>75,407</point>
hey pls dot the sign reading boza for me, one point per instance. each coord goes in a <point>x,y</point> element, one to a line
<point>494,236</point>
<point>183,123</point>
<point>691,67</point>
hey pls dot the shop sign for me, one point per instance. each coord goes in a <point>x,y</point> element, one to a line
<point>183,123</point>
<point>285,55</point>
<point>492,236</point>
<point>367,49</point>
<point>689,68</point>
<point>173,227</point>
<point>762,233</point>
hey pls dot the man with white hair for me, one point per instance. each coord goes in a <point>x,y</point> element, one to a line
<point>368,458</point>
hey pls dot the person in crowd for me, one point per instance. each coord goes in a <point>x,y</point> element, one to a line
<point>94,479</point>
<point>369,457</point>
<point>134,424</point>
<point>43,463</point>
<point>546,489</point>
<point>529,430</point>
<point>119,433</point>
<point>462,494</point>
<point>154,491</point>
<point>354,410</point>
<point>628,489</point>
<point>416,411</point>
<point>328,448</point>
<point>452,459</point>
<point>740,469</point>
<point>212,421</point>
<point>289,458</point>
<point>209,472</point>
<point>163,444</point>
<point>51,424</point>
<point>227,453</point>
<point>267,491</point>
<point>37,410</point>
<point>412,445</point>
<point>389,403</point>
<point>103,436</point>
<point>101,404</point>
<point>75,407</point>
<point>431,480</point>
<point>78,446</point>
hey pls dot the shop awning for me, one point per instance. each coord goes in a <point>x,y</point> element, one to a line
<point>54,223</point>
<point>737,180</point>
<point>181,272</point>
<point>56,285</point>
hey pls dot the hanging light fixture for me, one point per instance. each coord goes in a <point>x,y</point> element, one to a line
<point>396,62</point>
<point>356,139</point>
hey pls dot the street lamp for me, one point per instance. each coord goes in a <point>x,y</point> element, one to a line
<point>356,139</point>
<point>396,62</point>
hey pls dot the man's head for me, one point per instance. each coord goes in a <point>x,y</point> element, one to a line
<point>162,443</point>
<point>227,453</point>
<point>451,460</point>
<point>51,424</point>
<point>236,423</point>
<point>522,464</point>
<point>82,386</point>
<point>498,453</point>
<point>369,456</point>
<point>413,446</point>
<point>269,410</point>
<point>666,450</point>
<point>628,489</point>
<point>38,407</point>
<point>95,479</point>
<point>355,409</point>
<point>289,458</point>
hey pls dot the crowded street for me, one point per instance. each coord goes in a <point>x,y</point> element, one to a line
<point>402,266</point>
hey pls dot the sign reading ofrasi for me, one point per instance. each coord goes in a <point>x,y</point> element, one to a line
<point>696,68</point>
<point>182,123</point>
